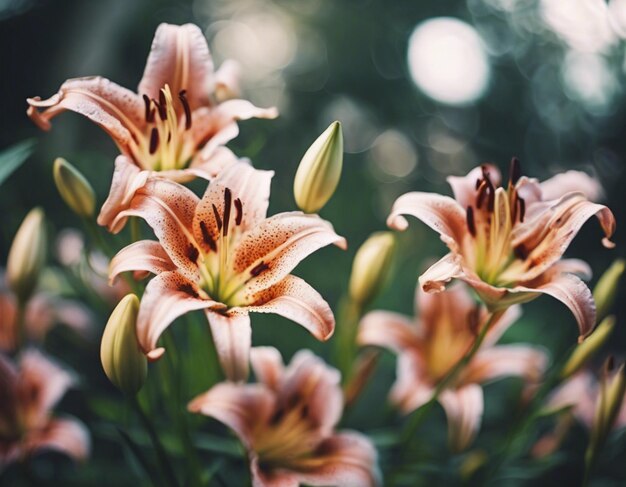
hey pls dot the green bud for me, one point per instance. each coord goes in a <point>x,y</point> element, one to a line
<point>608,405</point>
<point>319,171</point>
<point>371,267</point>
<point>587,349</point>
<point>123,361</point>
<point>606,289</point>
<point>74,188</point>
<point>27,255</point>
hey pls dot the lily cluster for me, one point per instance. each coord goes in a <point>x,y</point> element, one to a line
<point>221,254</point>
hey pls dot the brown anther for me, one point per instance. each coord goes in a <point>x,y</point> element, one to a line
<point>154,140</point>
<point>491,200</point>
<point>482,192</point>
<point>192,253</point>
<point>257,269</point>
<point>188,289</point>
<point>609,364</point>
<point>471,223</point>
<point>148,108</point>
<point>515,171</point>
<point>218,219</point>
<point>473,320</point>
<point>169,137</point>
<point>478,181</point>
<point>239,211</point>
<point>228,197</point>
<point>522,208</point>
<point>183,100</point>
<point>206,236</point>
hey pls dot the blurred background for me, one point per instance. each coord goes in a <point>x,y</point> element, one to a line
<point>423,89</point>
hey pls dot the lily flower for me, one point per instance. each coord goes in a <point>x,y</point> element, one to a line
<point>28,395</point>
<point>178,122</point>
<point>223,255</point>
<point>287,420</point>
<point>507,243</point>
<point>43,312</point>
<point>429,347</point>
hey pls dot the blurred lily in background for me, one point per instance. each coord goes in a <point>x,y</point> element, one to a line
<point>430,346</point>
<point>29,392</point>
<point>177,123</point>
<point>223,255</point>
<point>508,243</point>
<point>287,420</point>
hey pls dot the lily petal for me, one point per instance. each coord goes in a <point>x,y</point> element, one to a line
<point>180,58</point>
<point>117,110</point>
<point>68,436</point>
<point>168,208</point>
<point>573,293</point>
<point>506,360</point>
<point>569,182</point>
<point>278,244</point>
<point>393,331</point>
<point>411,389</point>
<point>167,296</point>
<point>226,80</point>
<point>42,383</point>
<point>296,300</point>
<point>127,179</point>
<point>271,478</point>
<point>239,406</point>
<point>268,367</point>
<point>464,410</point>
<point>438,275</point>
<point>145,255</point>
<point>441,213</point>
<point>464,187</point>
<point>348,459</point>
<point>232,336</point>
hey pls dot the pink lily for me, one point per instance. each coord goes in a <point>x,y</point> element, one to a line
<point>223,255</point>
<point>286,422</point>
<point>178,122</point>
<point>431,345</point>
<point>28,395</point>
<point>43,312</point>
<point>508,243</point>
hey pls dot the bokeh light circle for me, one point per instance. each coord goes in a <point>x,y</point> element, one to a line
<point>448,61</point>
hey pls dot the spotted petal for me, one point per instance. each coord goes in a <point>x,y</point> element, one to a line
<point>464,410</point>
<point>145,255</point>
<point>232,336</point>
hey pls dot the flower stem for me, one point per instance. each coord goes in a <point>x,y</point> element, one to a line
<point>160,451</point>
<point>345,352</point>
<point>21,335</point>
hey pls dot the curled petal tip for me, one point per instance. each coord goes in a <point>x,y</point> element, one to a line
<point>581,338</point>
<point>154,355</point>
<point>397,222</point>
<point>342,243</point>
<point>608,243</point>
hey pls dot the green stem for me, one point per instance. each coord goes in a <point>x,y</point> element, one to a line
<point>590,460</point>
<point>135,231</point>
<point>345,347</point>
<point>160,451</point>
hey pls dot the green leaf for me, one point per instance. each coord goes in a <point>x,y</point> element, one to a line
<point>148,468</point>
<point>14,157</point>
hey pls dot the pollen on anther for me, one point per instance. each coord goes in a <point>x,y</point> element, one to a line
<point>192,253</point>
<point>515,172</point>
<point>183,100</point>
<point>154,140</point>
<point>206,236</point>
<point>218,218</point>
<point>239,210</point>
<point>471,223</point>
<point>522,209</point>
<point>228,197</point>
<point>257,269</point>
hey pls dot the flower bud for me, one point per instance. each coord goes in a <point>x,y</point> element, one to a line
<point>371,267</point>
<point>74,188</point>
<point>123,361</point>
<point>27,255</point>
<point>608,404</point>
<point>606,289</point>
<point>587,349</point>
<point>319,171</point>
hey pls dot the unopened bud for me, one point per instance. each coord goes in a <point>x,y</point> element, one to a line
<point>319,171</point>
<point>123,361</point>
<point>587,349</point>
<point>371,266</point>
<point>606,289</point>
<point>27,255</point>
<point>74,188</point>
<point>608,404</point>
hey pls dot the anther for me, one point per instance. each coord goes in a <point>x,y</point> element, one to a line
<point>188,289</point>
<point>482,191</point>
<point>192,253</point>
<point>228,197</point>
<point>162,109</point>
<point>515,171</point>
<point>471,224</point>
<point>218,219</point>
<point>239,211</point>
<point>257,269</point>
<point>154,140</point>
<point>183,100</point>
<point>522,208</point>
<point>206,236</point>
<point>148,108</point>
<point>520,252</point>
